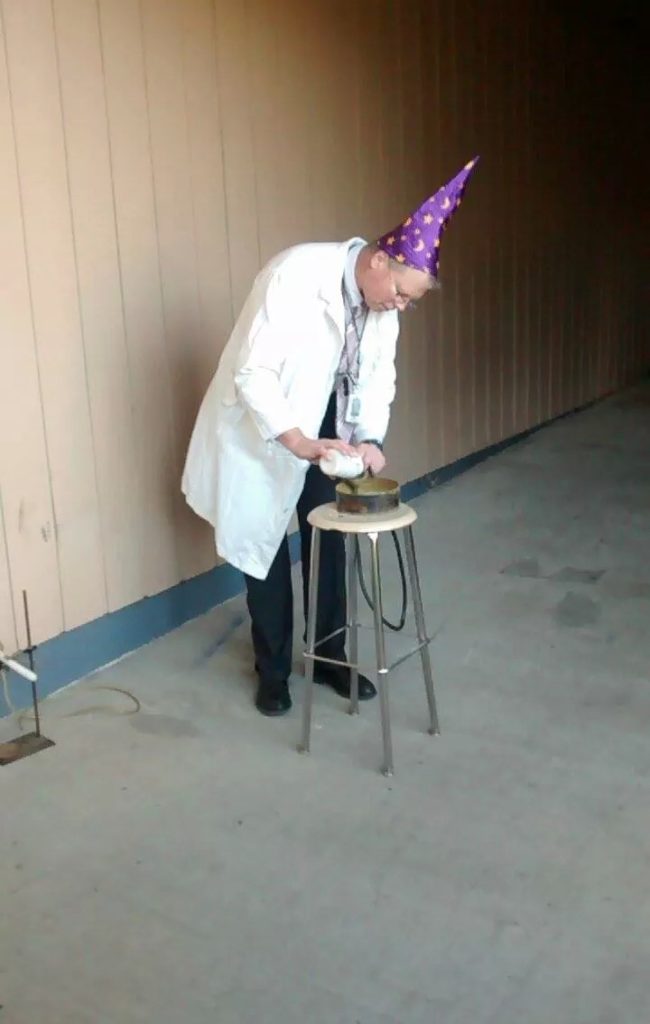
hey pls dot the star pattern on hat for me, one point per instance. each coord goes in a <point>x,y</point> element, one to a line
<point>416,241</point>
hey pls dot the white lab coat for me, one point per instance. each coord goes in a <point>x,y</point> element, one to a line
<point>276,372</point>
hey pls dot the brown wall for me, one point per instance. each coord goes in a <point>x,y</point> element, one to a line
<point>154,154</point>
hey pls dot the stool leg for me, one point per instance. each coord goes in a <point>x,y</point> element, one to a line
<point>311,638</point>
<point>353,626</point>
<point>434,727</point>
<point>380,646</point>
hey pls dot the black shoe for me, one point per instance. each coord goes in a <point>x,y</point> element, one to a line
<point>273,698</point>
<point>338,677</point>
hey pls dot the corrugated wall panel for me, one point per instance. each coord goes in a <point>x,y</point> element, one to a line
<point>43,171</point>
<point>30,556</point>
<point>8,631</point>
<point>210,241</point>
<point>476,262</point>
<point>241,172</point>
<point>293,119</point>
<point>263,31</point>
<point>153,153</point>
<point>108,373</point>
<point>163,39</point>
<point>390,87</point>
<point>151,387</point>
<point>434,310</point>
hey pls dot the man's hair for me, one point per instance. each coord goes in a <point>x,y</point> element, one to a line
<point>432,282</point>
<point>394,264</point>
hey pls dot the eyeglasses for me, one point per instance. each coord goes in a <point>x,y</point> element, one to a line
<point>404,300</point>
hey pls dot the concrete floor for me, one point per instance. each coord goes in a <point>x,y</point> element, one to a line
<point>185,864</point>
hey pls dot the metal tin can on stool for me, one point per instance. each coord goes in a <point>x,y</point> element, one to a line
<point>367,496</point>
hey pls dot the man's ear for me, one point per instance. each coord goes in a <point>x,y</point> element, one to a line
<point>379,259</point>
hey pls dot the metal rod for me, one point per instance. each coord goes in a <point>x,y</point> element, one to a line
<point>405,657</point>
<point>329,661</point>
<point>352,622</point>
<point>30,655</point>
<point>434,726</point>
<point>314,567</point>
<point>380,647</point>
<point>330,636</point>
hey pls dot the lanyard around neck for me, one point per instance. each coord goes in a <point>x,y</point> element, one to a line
<point>347,372</point>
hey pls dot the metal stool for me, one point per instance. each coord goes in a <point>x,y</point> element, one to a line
<point>326,517</point>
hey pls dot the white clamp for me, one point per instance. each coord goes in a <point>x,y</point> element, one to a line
<point>15,666</point>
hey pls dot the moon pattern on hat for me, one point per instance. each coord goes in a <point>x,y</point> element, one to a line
<point>416,241</point>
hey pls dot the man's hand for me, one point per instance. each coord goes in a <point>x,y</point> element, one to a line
<point>312,450</point>
<point>373,458</point>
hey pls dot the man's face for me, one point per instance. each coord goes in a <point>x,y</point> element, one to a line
<point>385,286</point>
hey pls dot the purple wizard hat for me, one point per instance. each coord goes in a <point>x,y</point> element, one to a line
<point>416,242</point>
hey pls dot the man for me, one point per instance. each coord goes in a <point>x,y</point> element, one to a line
<point>309,366</point>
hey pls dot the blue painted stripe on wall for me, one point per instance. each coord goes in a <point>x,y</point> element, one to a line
<point>78,652</point>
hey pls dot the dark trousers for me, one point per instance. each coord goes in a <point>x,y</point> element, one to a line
<point>270,601</point>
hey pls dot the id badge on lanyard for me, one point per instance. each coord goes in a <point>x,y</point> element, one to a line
<point>353,401</point>
<point>353,411</point>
